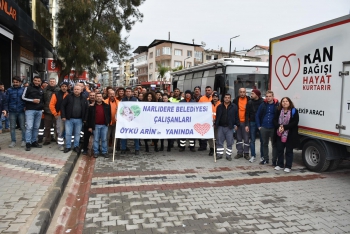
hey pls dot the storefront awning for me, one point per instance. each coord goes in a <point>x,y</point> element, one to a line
<point>6,32</point>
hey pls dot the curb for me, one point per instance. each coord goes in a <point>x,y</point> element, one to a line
<point>42,220</point>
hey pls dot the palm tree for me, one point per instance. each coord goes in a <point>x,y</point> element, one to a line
<point>162,70</point>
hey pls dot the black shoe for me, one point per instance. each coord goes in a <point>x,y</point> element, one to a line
<point>192,150</point>
<point>28,145</point>
<point>47,143</point>
<point>168,149</point>
<point>85,152</point>
<point>181,149</point>
<point>246,156</point>
<point>137,152</point>
<point>229,158</point>
<point>264,162</point>
<point>66,150</point>
<point>211,152</point>
<point>218,157</point>
<point>123,152</point>
<point>36,145</point>
<point>76,149</point>
<point>274,163</point>
<point>161,148</point>
<point>40,140</point>
<point>201,149</point>
<point>127,149</point>
<point>156,149</point>
<point>53,139</point>
<point>105,155</point>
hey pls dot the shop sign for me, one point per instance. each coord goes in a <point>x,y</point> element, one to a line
<point>9,9</point>
<point>52,66</point>
<point>26,56</point>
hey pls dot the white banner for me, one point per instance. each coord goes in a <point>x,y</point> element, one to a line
<point>164,120</point>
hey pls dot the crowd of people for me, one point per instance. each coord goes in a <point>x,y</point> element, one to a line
<point>47,112</point>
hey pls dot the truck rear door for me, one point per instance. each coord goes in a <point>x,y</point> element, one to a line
<point>345,104</point>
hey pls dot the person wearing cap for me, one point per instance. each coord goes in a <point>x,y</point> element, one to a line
<point>16,107</point>
<point>197,93</point>
<point>182,145</point>
<point>242,143</point>
<point>49,118</point>
<point>250,124</point>
<point>55,108</point>
<point>215,102</point>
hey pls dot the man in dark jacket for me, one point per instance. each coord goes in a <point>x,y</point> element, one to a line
<point>182,145</point>
<point>49,118</point>
<point>16,106</point>
<point>3,106</point>
<point>99,117</point>
<point>129,98</point>
<point>226,121</point>
<point>33,96</point>
<point>242,144</point>
<point>252,107</point>
<point>73,113</point>
<point>264,122</point>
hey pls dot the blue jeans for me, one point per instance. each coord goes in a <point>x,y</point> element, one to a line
<point>100,133</point>
<point>253,130</point>
<point>73,126</point>
<point>33,118</point>
<point>14,116</point>
<point>136,141</point>
<point>5,119</point>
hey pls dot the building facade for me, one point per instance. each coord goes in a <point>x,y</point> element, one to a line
<point>259,51</point>
<point>25,38</point>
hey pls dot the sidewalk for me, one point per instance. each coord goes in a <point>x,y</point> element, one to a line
<point>31,184</point>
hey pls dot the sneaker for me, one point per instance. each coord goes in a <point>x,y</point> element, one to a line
<point>105,155</point>
<point>246,156</point>
<point>28,146</point>
<point>287,170</point>
<point>238,156</point>
<point>277,168</point>
<point>229,158</point>
<point>252,159</point>
<point>264,162</point>
<point>76,149</point>
<point>262,159</point>
<point>13,144</point>
<point>61,148</point>
<point>23,144</point>
<point>36,145</point>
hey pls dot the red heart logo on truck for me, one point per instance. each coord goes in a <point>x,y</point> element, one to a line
<point>202,128</point>
<point>286,70</point>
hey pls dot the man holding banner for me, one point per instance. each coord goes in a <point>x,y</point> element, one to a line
<point>188,98</point>
<point>226,121</point>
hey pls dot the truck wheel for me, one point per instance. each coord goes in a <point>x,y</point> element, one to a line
<point>334,164</point>
<point>314,156</point>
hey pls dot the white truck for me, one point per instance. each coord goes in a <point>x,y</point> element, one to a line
<point>311,66</point>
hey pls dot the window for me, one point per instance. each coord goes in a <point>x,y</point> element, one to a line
<point>177,63</point>
<point>151,55</point>
<point>188,64</point>
<point>150,76</point>
<point>166,50</point>
<point>158,52</point>
<point>151,66</point>
<point>189,53</point>
<point>178,52</point>
<point>208,57</point>
<point>198,55</point>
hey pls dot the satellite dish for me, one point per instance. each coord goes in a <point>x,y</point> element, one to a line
<point>203,44</point>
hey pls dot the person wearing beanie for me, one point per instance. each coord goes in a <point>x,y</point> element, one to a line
<point>242,143</point>
<point>182,145</point>
<point>55,108</point>
<point>252,107</point>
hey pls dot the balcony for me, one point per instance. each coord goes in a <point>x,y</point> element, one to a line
<point>141,64</point>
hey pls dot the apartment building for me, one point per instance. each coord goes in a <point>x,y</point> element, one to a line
<point>259,51</point>
<point>210,55</point>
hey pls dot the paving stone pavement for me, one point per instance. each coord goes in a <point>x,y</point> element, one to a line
<point>172,192</point>
<point>25,178</point>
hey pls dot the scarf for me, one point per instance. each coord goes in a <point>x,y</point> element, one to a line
<point>284,120</point>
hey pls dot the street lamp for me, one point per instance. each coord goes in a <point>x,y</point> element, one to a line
<point>185,62</point>
<point>229,53</point>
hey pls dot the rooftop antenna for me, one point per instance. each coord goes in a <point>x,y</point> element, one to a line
<point>168,36</point>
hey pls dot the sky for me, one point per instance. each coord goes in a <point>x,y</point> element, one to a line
<point>216,21</point>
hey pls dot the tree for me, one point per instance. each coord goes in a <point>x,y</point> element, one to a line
<point>89,31</point>
<point>162,70</point>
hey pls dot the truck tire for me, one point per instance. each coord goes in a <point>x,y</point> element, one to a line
<point>334,164</point>
<point>314,157</point>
